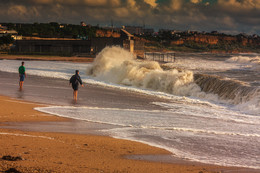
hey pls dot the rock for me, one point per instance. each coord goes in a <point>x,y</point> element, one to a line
<point>11,158</point>
<point>12,170</point>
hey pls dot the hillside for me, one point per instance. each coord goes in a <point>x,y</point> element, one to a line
<point>204,43</point>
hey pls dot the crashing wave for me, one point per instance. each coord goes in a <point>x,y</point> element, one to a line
<point>116,65</point>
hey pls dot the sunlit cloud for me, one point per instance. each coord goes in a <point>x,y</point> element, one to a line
<point>204,15</point>
<point>240,4</point>
<point>196,1</point>
<point>151,2</point>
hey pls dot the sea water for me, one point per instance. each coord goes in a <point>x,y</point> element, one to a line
<point>213,110</point>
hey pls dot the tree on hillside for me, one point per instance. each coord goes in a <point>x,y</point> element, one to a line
<point>6,39</point>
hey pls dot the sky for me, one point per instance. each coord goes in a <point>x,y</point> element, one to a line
<point>225,16</point>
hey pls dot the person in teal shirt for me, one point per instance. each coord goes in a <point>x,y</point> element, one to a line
<point>22,75</point>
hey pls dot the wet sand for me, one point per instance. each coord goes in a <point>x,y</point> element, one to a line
<point>58,92</point>
<point>48,143</point>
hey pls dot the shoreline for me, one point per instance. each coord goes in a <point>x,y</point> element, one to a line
<point>54,151</point>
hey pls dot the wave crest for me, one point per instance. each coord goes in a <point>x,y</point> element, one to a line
<point>254,62</point>
<point>119,66</point>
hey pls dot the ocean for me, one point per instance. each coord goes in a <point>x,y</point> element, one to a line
<point>211,111</point>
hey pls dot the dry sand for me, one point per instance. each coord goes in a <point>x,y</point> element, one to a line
<point>60,152</point>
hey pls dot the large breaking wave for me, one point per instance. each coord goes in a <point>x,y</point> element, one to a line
<point>116,65</point>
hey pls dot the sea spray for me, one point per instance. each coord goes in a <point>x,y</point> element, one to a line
<point>172,81</point>
<point>119,66</point>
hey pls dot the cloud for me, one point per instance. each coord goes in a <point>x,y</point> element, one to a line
<point>151,3</point>
<point>17,10</point>
<point>207,15</point>
<point>240,4</point>
<point>171,5</point>
<point>195,1</point>
<point>22,12</point>
<point>123,12</point>
<point>96,2</point>
<point>42,1</point>
<point>114,3</point>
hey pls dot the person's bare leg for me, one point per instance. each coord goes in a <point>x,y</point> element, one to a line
<point>21,85</point>
<point>76,96</point>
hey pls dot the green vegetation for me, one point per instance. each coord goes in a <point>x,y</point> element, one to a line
<point>6,39</point>
<point>191,46</point>
<point>5,42</point>
<point>53,30</point>
<point>225,43</point>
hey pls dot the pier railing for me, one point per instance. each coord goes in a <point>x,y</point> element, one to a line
<point>160,57</point>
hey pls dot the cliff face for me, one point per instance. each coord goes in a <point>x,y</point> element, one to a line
<point>203,39</point>
<point>106,33</point>
<point>215,39</point>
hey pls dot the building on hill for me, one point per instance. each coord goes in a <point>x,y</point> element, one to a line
<point>4,32</point>
<point>13,33</point>
<point>138,30</point>
<point>83,24</point>
<point>3,27</point>
<point>148,31</point>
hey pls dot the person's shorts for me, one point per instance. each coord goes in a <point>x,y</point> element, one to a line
<point>22,76</point>
<point>75,87</point>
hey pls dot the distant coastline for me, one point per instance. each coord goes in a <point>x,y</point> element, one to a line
<point>145,40</point>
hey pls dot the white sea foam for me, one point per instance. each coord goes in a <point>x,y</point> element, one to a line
<point>220,113</point>
<point>246,61</point>
<point>25,135</point>
<point>185,135</point>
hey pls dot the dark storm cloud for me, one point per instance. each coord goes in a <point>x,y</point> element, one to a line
<point>231,16</point>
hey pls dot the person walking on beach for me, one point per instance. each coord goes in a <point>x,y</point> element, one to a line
<point>22,75</point>
<point>75,80</point>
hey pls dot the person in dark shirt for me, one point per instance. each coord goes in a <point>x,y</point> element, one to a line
<point>22,75</point>
<point>75,80</point>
